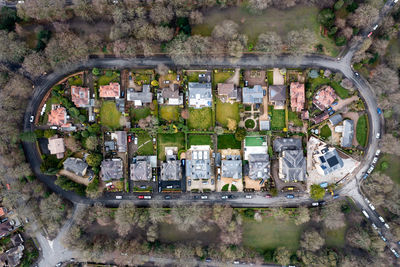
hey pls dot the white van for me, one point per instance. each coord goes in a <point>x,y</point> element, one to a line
<point>365,214</point>
<point>118,197</point>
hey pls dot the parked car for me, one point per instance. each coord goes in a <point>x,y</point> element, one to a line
<point>375,27</point>
<point>178,77</point>
<point>377,152</point>
<point>208,259</point>
<point>53,127</point>
<point>196,197</point>
<point>321,203</point>
<point>374,226</point>
<point>369,34</point>
<point>365,214</point>
<point>371,206</point>
<point>315,204</point>
<point>122,94</point>
<point>268,196</point>
<point>365,176</point>
<point>379,111</point>
<point>386,226</point>
<point>147,197</point>
<point>118,197</point>
<point>204,197</point>
<point>378,135</point>
<point>383,238</point>
<point>189,182</point>
<point>334,103</point>
<point>381,219</point>
<point>224,197</point>
<point>249,196</point>
<point>371,168</point>
<point>290,196</point>
<point>167,197</point>
<point>395,252</point>
<point>31,119</point>
<point>335,196</point>
<point>367,200</point>
<point>141,197</point>
<point>246,83</point>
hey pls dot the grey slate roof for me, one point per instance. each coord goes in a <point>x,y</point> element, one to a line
<point>231,167</point>
<point>200,92</point>
<point>171,169</point>
<point>75,165</point>
<point>330,161</point>
<point>277,93</point>
<point>252,95</point>
<point>198,167</point>
<point>145,95</point>
<point>335,119</point>
<point>293,165</point>
<point>121,141</point>
<point>281,144</point>
<point>141,169</point>
<point>265,125</point>
<point>111,169</point>
<point>259,166</point>
<point>348,133</point>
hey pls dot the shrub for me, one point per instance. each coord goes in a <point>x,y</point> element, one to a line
<point>234,188</point>
<point>249,213</point>
<point>96,71</point>
<point>225,188</point>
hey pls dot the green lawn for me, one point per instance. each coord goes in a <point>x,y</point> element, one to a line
<point>336,238</point>
<point>362,130</point>
<point>169,113</point>
<point>254,140</point>
<point>75,80</point>
<point>277,119</point>
<point>193,76</point>
<point>199,139</point>
<point>392,168</point>
<point>146,149</point>
<point>294,117</point>
<point>165,140</point>
<point>271,233</point>
<point>228,141</point>
<point>227,111</point>
<point>325,132</point>
<point>139,113</point>
<point>105,80</point>
<point>340,91</point>
<point>109,115</point>
<point>200,119</point>
<point>270,77</point>
<point>222,76</point>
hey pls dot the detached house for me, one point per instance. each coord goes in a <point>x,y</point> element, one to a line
<point>227,92</point>
<point>76,165</point>
<point>198,163</point>
<point>56,146</point>
<point>252,95</point>
<point>140,98</point>
<point>200,95</point>
<point>297,96</point>
<point>111,169</point>
<point>58,116</point>
<point>80,96</point>
<point>277,95</point>
<point>140,169</point>
<point>171,95</point>
<point>171,169</point>
<point>110,91</point>
<point>324,98</point>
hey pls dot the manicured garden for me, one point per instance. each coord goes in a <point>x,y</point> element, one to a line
<point>169,113</point>
<point>109,115</point>
<point>169,140</point>
<point>277,118</point>
<point>228,141</point>
<point>325,132</point>
<point>362,130</point>
<point>108,77</point>
<point>200,119</point>
<point>145,145</point>
<point>249,124</point>
<point>199,139</point>
<point>226,111</point>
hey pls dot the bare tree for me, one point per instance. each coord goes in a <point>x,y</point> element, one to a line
<point>161,14</point>
<point>301,42</point>
<point>269,42</point>
<point>311,240</point>
<point>304,216</point>
<point>333,216</point>
<point>226,30</point>
<point>358,237</point>
<point>196,17</point>
<point>384,80</point>
<point>125,217</point>
<point>83,9</point>
<point>36,64</point>
<point>282,255</point>
<point>42,9</point>
<point>11,49</point>
<point>364,16</point>
<point>257,6</point>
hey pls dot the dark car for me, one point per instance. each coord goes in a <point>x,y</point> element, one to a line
<point>290,196</point>
<point>196,197</point>
<point>122,93</point>
<point>208,260</point>
<point>321,203</point>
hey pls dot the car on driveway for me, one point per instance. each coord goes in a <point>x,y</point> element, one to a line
<point>204,197</point>
<point>290,196</point>
<point>378,135</point>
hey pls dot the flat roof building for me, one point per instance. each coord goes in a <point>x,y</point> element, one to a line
<point>198,163</point>
<point>231,167</point>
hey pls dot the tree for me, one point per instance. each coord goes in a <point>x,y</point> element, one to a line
<point>256,6</point>
<point>282,256</point>
<point>312,241</point>
<point>92,142</point>
<point>8,18</point>
<point>326,17</point>
<point>317,192</point>
<point>42,10</point>
<point>384,80</point>
<point>226,30</point>
<point>358,237</point>
<point>301,41</point>
<point>364,16</point>
<point>240,134</point>
<point>303,217</point>
<point>96,71</point>
<point>269,42</point>
<point>28,137</point>
<point>94,159</point>
<point>232,124</point>
<point>84,9</point>
<point>11,49</point>
<point>160,14</point>
<point>126,47</point>
<point>36,64</point>
<point>125,217</point>
<point>333,216</point>
<point>196,17</point>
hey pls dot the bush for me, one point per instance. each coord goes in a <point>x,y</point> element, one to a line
<point>317,192</point>
<point>109,73</point>
<point>249,213</point>
<point>249,123</point>
<point>338,5</point>
<point>96,71</point>
<point>341,41</point>
<point>240,134</point>
<point>225,188</point>
<point>234,188</point>
<point>69,185</point>
<point>384,165</point>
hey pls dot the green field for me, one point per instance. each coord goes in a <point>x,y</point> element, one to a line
<point>227,111</point>
<point>271,233</point>
<point>362,130</point>
<point>109,115</point>
<point>169,113</point>
<point>228,141</point>
<point>325,132</point>
<point>139,113</point>
<point>271,19</point>
<point>200,119</point>
<point>105,80</point>
<point>146,149</point>
<point>165,140</point>
<point>277,119</point>
<point>199,139</point>
<point>294,117</point>
<point>392,168</point>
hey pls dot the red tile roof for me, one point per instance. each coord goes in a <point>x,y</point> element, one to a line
<point>110,91</point>
<point>80,96</point>
<point>297,96</point>
<point>324,98</point>
<point>2,212</point>
<point>57,116</point>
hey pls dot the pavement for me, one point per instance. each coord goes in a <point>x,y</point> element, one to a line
<point>350,188</point>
